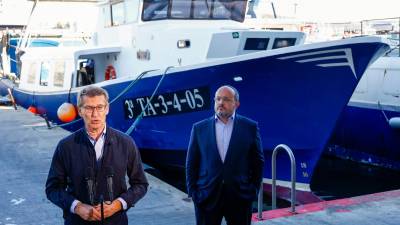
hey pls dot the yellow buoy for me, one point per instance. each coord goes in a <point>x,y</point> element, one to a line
<point>66,112</point>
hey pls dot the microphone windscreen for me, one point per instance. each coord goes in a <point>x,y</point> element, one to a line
<point>109,171</point>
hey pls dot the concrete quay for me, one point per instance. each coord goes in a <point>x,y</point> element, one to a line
<point>26,149</point>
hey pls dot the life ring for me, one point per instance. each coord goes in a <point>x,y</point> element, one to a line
<point>110,73</point>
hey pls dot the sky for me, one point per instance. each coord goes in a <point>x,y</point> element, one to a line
<point>17,11</point>
<point>337,10</point>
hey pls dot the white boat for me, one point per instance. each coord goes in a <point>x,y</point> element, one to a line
<point>162,61</point>
<point>369,129</point>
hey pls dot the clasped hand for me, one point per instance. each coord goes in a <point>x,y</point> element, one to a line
<point>93,213</point>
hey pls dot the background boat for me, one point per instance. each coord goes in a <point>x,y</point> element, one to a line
<point>369,129</point>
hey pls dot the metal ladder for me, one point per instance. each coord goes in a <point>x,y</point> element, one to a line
<point>293,181</point>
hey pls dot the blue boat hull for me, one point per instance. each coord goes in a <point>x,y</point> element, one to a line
<point>296,103</point>
<point>364,135</point>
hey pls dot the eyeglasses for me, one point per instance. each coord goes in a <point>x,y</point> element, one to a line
<point>223,99</point>
<point>90,109</point>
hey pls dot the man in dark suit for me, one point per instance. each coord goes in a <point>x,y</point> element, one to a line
<point>224,163</point>
<point>89,168</point>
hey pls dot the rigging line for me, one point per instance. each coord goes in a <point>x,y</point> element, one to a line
<point>139,118</point>
<point>131,84</point>
<point>24,39</point>
<point>383,112</point>
<point>69,95</point>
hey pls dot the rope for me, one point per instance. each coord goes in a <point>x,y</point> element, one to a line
<point>383,112</point>
<point>22,42</point>
<point>139,118</point>
<point>131,84</point>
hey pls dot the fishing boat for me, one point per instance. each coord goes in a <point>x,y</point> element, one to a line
<point>162,61</point>
<point>368,131</point>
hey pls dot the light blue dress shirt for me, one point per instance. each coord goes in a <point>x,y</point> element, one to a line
<point>223,133</point>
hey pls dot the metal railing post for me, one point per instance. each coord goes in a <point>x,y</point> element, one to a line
<point>260,201</point>
<point>293,175</point>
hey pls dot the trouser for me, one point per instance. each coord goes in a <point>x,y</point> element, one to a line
<point>236,211</point>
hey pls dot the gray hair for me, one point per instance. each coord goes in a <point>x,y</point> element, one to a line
<point>91,91</point>
<point>235,91</point>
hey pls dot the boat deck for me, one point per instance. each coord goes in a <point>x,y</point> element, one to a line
<point>26,149</point>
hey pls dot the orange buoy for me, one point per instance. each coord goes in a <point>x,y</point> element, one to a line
<point>66,112</point>
<point>33,109</point>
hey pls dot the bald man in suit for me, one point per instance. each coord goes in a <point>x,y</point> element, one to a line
<point>224,163</point>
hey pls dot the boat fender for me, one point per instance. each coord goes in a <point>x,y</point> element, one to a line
<point>33,109</point>
<point>66,112</point>
<point>395,122</point>
<point>110,73</point>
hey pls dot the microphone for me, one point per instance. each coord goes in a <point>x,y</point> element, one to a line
<point>89,177</point>
<point>109,175</point>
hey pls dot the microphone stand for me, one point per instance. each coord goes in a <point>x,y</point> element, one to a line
<point>89,177</point>
<point>102,209</point>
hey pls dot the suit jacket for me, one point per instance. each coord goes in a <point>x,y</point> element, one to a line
<point>75,153</point>
<point>240,173</point>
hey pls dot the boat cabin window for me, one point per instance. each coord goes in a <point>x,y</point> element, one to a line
<point>32,73</point>
<point>44,74</point>
<point>283,42</point>
<point>59,71</point>
<point>194,9</point>
<point>107,16</point>
<point>120,12</point>
<point>256,44</point>
<point>117,13</point>
<point>85,73</point>
<point>132,10</point>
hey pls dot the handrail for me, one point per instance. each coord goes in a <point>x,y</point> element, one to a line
<point>293,175</point>
<point>260,201</point>
<point>293,178</point>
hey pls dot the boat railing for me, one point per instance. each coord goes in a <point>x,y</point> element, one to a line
<point>293,180</point>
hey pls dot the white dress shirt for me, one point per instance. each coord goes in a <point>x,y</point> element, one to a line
<point>223,133</point>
